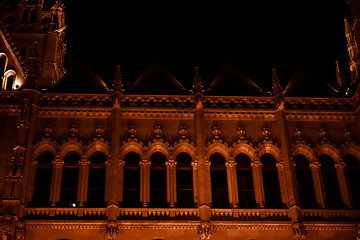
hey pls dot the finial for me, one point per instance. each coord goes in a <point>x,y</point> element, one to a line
<point>340,77</point>
<point>118,79</point>
<point>276,86</point>
<point>197,81</point>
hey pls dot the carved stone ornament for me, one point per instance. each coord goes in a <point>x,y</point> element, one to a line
<point>299,231</point>
<point>216,132</point>
<point>348,135</point>
<point>205,231</point>
<point>323,135</point>
<point>47,132</point>
<point>20,231</point>
<point>183,133</point>
<point>242,135</point>
<point>99,132</point>
<point>111,231</point>
<point>266,134</point>
<point>73,133</point>
<point>357,232</point>
<point>299,135</point>
<point>158,134</point>
<point>132,132</point>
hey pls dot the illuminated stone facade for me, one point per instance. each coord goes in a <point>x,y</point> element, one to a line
<point>131,165</point>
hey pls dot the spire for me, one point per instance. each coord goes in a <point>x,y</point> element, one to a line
<point>197,81</point>
<point>340,77</point>
<point>118,79</point>
<point>276,86</point>
<point>353,52</point>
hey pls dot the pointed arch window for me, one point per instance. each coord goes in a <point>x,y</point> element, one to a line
<point>245,182</point>
<point>32,17</point>
<point>70,177</point>
<point>271,182</point>
<point>220,196</point>
<point>184,187</point>
<point>131,196</point>
<point>25,16</point>
<point>353,173</point>
<point>96,184</point>
<point>158,180</point>
<point>41,195</point>
<point>305,182</point>
<point>330,182</point>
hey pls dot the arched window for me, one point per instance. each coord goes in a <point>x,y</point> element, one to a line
<point>158,196</point>
<point>245,182</point>
<point>32,17</point>
<point>3,64</point>
<point>271,182</point>
<point>96,186</point>
<point>353,173</point>
<point>25,16</point>
<point>220,196</point>
<point>70,176</point>
<point>41,196</point>
<point>185,196</point>
<point>131,196</point>
<point>305,182</point>
<point>330,181</point>
<point>10,83</point>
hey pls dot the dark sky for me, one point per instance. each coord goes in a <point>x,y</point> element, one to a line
<point>253,34</point>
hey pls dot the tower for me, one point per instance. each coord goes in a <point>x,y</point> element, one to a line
<point>37,34</point>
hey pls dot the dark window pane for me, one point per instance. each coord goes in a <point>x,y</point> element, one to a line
<point>305,182</point>
<point>220,198</point>
<point>245,182</point>
<point>184,187</point>
<point>353,173</point>
<point>331,185</point>
<point>131,195</point>
<point>158,196</point>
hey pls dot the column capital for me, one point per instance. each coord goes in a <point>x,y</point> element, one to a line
<point>145,163</point>
<point>171,164</point>
<point>84,163</point>
<point>230,164</point>
<point>58,163</point>
<point>256,164</point>
<point>280,164</point>
<point>315,165</point>
<point>340,165</point>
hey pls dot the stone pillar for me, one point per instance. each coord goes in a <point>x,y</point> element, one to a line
<point>318,184</point>
<point>194,165</point>
<point>31,184</point>
<point>232,184</point>
<point>343,184</point>
<point>282,183</point>
<point>107,180</point>
<point>256,167</point>
<point>145,182</point>
<point>171,183</point>
<point>56,179</point>
<point>83,181</point>
<point>121,180</point>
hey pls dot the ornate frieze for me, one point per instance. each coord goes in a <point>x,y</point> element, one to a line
<point>153,114</point>
<point>318,116</point>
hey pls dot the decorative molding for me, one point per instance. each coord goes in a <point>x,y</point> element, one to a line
<point>320,116</point>
<point>153,114</point>
<point>236,115</point>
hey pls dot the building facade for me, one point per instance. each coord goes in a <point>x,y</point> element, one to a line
<point>157,161</point>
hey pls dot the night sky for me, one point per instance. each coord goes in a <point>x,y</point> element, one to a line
<point>253,34</point>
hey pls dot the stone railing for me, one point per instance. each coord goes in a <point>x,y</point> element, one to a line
<point>158,214</point>
<point>249,215</point>
<point>330,215</point>
<point>65,213</point>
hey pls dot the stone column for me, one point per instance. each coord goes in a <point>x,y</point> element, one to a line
<point>256,167</point>
<point>282,183</point>
<point>194,165</point>
<point>318,184</point>
<point>145,182</point>
<point>232,184</point>
<point>83,181</point>
<point>121,180</point>
<point>171,183</point>
<point>343,184</point>
<point>56,179</point>
<point>32,177</point>
<point>107,180</point>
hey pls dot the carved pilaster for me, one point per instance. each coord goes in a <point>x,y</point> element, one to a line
<point>256,167</point>
<point>83,180</point>
<point>145,182</point>
<point>171,182</point>
<point>282,182</point>
<point>343,183</point>
<point>195,176</point>
<point>232,183</point>
<point>318,184</point>
<point>56,180</point>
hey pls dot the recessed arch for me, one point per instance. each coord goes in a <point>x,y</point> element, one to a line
<point>271,149</point>
<point>97,146</point>
<point>244,148</point>
<point>218,174</point>
<point>304,150</point>
<point>71,146</point>
<point>132,147</point>
<point>44,146</point>
<point>329,150</point>
<point>184,147</point>
<point>218,148</point>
